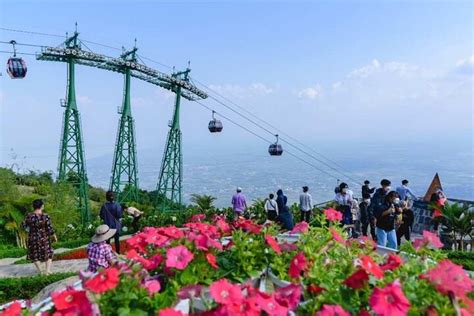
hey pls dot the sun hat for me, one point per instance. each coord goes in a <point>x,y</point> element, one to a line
<point>103,233</point>
<point>239,189</point>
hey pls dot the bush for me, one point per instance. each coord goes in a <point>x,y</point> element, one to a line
<point>12,252</point>
<point>27,287</point>
<point>464,258</point>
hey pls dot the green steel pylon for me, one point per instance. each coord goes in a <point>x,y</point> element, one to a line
<point>171,173</point>
<point>124,179</point>
<point>71,158</point>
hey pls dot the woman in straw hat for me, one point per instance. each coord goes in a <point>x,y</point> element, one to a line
<point>99,252</point>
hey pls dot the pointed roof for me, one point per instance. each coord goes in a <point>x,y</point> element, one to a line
<point>434,186</point>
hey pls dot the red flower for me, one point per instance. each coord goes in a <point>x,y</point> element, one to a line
<point>389,301</point>
<point>301,227</point>
<point>273,243</point>
<point>332,310</point>
<point>335,234</point>
<point>368,264</point>
<point>152,287</point>
<point>137,242</point>
<point>14,309</point>
<point>357,280</point>
<point>270,305</point>
<point>449,277</point>
<point>223,226</point>
<point>212,260</point>
<point>315,289</point>
<point>204,242</point>
<point>333,215</point>
<point>248,225</point>
<point>289,295</point>
<point>431,311</point>
<point>429,239</point>
<point>393,261</point>
<point>72,301</point>
<point>178,257</point>
<point>224,292</point>
<point>172,232</point>
<point>104,281</point>
<point>170,312</point>
<point>297,265</point>
<point>156,239</point>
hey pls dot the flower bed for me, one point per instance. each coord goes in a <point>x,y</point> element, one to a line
<point>81,253</point>
<point>169,271</point>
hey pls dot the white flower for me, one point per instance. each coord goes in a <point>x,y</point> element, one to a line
<point>125,229</point>
<point>173,218</point>
<point>90,226</point>
<point>266,250</point>
<point>250,240</point>
<point>71,226</point>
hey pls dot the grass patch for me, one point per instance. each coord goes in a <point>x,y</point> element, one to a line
<point>27,287</point>
<point>12,252</point>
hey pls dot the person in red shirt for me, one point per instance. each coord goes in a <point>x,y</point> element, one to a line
<point>438,199</point>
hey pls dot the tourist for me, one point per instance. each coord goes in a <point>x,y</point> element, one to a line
<point>306,205</point>
<point>284,215</point>
<point>99,252</point>
<point>438,200</point>
<point>111,214</point>
<point>135,213</point>
<point>385,215</point>
<point>366,189</point>
<point>271,207</point>
<point>379,196</point>
<point>366,217</point>
<point>344,203</point>
<point>404,191</point>
<point>40,237</point>
<point>239,204</point>
<point>406,225</point>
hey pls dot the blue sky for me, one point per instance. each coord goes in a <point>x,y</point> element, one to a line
<point>331,71</point>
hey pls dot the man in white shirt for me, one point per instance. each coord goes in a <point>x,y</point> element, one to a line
<point>306,205</point>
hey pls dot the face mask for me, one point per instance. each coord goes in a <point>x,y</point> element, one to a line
<point>387,189</point>
<point>396,201</point>
<point>367,201</point>
<point>344,190</point>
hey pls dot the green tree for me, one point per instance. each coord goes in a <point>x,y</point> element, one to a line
<point>458,222</point>
<point>203,202</point>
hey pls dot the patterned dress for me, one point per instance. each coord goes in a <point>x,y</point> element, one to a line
<point>39,236</point>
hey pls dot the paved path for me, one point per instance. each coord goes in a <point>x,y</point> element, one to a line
<point>20,270</point>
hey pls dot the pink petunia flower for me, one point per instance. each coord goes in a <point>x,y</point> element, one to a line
<point>430,240</point>
<point>449,277</point>
<point>103,281</point>
<point>289,295</point>
<point>333,215</point>
<point>170,312</point>
<point>198,218</point>
<point>268,304</point>
<point>178,257</point>
<point>301,227</point>
<point>337,237</point>
<point>297,265</point>
<point>288,247</point>
<point>389,301</point>
<point>332,310</point>
<point>273,243</point>
<point>224,292</point>
<point>152,286</point>
<point>14,309</point>
<point>248,307</point>
<point>368,264</point>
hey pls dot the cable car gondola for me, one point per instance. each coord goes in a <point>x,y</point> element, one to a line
<point>16,66</point>
<point>215,126</point>
<point>275,149</point>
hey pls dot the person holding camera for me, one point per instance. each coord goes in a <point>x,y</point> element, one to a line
<point>406,223</point>
<point>386,214</point>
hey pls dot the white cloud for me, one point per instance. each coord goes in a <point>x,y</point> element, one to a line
<point>465,66</point>
<point>310,92</point>
<point>375,67</point>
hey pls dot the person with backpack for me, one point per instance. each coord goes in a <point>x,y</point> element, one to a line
<point>271,207</point>
<point>111,214</point>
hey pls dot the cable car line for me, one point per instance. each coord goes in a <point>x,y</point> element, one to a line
<point>21,53</point>
<point>266,140</point>
<point>283,140</point>
<point>283,133</point>
<point>30,32</point>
